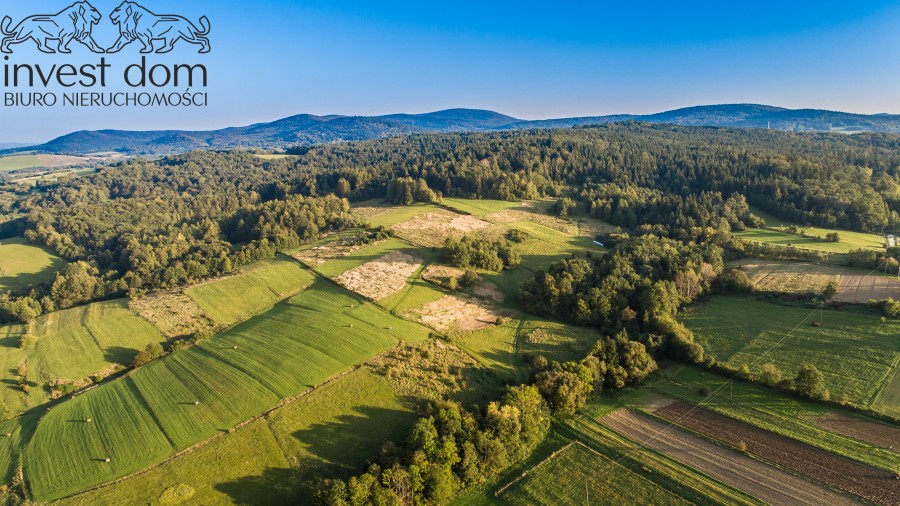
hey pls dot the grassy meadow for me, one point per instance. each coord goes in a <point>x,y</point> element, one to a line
<point>855,351</point>
<point>196,393</point>
<point>235,298</point>
<point>71,344</point>
<point>23,264</point>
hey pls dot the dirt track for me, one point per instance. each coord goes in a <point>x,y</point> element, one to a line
<point>762,481</point>
<point>878,486</point>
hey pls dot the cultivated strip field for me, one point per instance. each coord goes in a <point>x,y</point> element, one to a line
<point>790,277</point>
<point>23,264</point>
<point>878,486</point>
<point>880,434</point>
<point>236,298</point>
<point>765,482</point>
<point>193,394</point>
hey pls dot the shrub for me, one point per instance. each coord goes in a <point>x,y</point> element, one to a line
<point>811,383</point>
<point>770,375</point>
<point>26,340</point>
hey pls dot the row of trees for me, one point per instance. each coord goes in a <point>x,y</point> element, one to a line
<point>474,251</point>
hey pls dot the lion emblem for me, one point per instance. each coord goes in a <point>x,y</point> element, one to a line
<point>138,23</point>
<point>74,23</point>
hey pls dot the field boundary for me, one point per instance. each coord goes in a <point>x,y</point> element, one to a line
<point>537,465</point>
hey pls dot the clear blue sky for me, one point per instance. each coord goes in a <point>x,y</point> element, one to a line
<point>273,58</point>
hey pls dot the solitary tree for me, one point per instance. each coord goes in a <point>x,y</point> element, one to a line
<point>811,383</point>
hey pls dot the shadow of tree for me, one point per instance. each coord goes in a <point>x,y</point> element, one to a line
<point>275,486</point>
<point>119,355</point>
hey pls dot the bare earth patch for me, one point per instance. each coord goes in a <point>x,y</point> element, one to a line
<point>379,278</point>
<point>859,288</point>
<point>878,434</point>
<point>765,482</point>
<point>438,274</point>
<point>331,250</point>
<point>373,211</point>
<point>174,314</point>
<point>433,228</point>
<point>456,312</point>
<point>488,290</point>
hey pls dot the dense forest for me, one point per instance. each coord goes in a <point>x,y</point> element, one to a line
<point>159,224</point>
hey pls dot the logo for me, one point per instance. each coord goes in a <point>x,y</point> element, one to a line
<point>73,23</point>
<point>138,23</point>
<point>53,33</point>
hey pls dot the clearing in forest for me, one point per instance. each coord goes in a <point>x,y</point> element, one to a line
<point>380,278</point>
<point>433,228</point>
<point>23,264</point>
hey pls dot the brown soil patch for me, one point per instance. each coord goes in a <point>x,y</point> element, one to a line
<point>379,278</point>
<point>174,314</point>
<point>858,288</point>
<point>331,250</point>
<point>373,211</point>
<point>488,290</point>
<point>434,370</point>
<point>767,483</point>
<point>456,312</point>
<point>433,228</point>
<point>878,434</point>
<point>439,274</point>
<point>875,485</point>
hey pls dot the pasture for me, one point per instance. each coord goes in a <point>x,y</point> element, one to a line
<point>778,235</point>
<point>480,208</point>
<point>70,345</point>
<point>193,394</point>
<point>19,162</point>
<point>383,215</point>
<point>337,266</point>
<point>333,430</point>
<point>785,239</point>
<point>235,298</point>
<point>854,350</point>
<point>23,264</point>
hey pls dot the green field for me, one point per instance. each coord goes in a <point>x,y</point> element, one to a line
<point>546,245</point>
<point>23,264</point>
<point>11,163</point>
<point>888,400</point>
<point>70,345</point>
<point>854,350</point>
<point>769,409</point>
<point>403,213</point>
<point>480,208</point>
<point>502,348</point>
<point>140,419</point>
<point>577,476</point>
<point>849,240</point>
<point>334,430</point>
<point>236,298</point>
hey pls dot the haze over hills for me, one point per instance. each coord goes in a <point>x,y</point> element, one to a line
<point>310,129</point>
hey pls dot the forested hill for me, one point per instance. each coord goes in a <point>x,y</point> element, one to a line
<point>307,129</point>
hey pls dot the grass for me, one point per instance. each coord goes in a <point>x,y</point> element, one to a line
<point>854,350</point>
<point>334,430</point>
<point>248,293</point>
<point>70,345</point>
<point>888,400</point>
<point>338,266</point>
<point>11,163</point>
<point>23,264</point>
<point>480,208</point>
<point>403,213</point>
<point>769,409</point>
<point>502,348</point>
<point>153,412</point>
<point>849,240</point>
<point>546,245</point>
<point>571,478</point>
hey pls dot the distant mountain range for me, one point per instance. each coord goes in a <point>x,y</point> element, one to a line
<point>308,129</point>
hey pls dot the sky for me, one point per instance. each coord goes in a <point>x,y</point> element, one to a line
<point>531,60</point>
